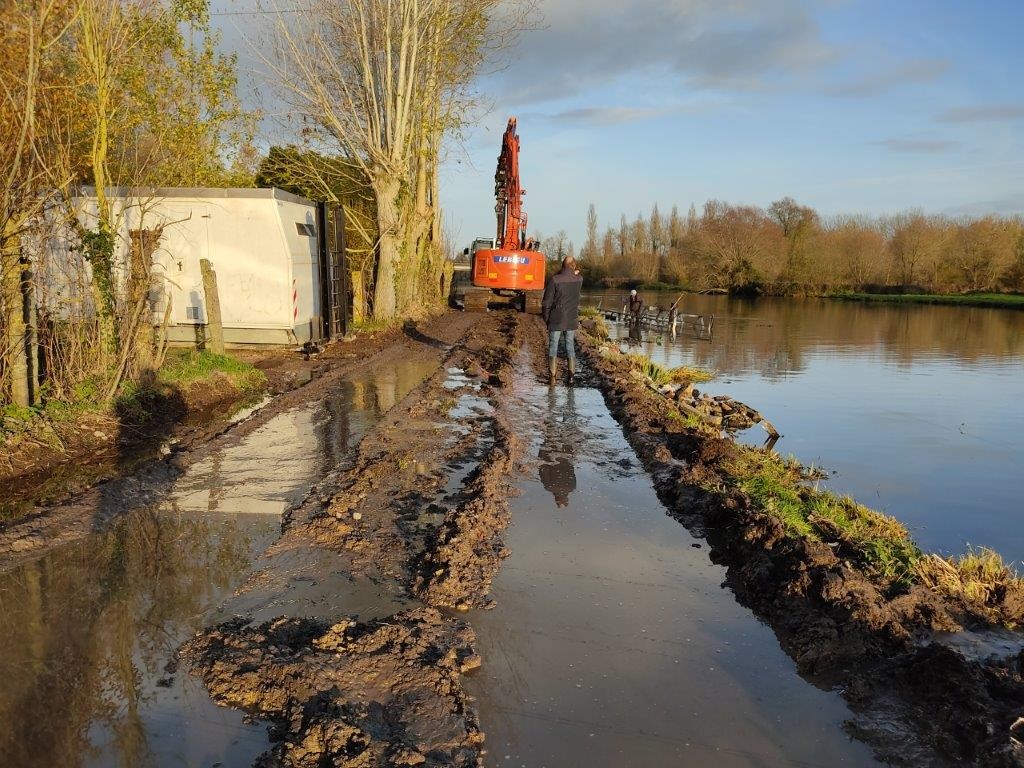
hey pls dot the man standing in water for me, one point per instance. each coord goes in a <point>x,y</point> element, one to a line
<point>560,310</point>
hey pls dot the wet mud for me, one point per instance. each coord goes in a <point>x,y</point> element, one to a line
<point>917,700</point>
<point>346,664</point>
<point>349,694</point>
<point>462,557</point>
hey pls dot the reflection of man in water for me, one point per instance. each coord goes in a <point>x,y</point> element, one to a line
<point>561,435</point>
<point>635,332</point>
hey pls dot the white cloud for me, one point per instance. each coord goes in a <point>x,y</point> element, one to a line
<point>728,44</point>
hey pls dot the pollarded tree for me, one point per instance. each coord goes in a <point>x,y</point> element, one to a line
<point>379,82</point>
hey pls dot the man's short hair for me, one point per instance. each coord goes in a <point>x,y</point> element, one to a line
<point>569,262</point>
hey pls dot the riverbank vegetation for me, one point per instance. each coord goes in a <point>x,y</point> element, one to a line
<point>790,249</point>
<point>994,300</point>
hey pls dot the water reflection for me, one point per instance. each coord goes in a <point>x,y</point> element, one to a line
<point>90,629</point>
<point>561,433</point>
<point>916,408</point>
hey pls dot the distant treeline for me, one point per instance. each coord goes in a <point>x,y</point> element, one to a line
<point>790,249</point>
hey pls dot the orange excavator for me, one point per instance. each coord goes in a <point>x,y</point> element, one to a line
<point>509,269</point>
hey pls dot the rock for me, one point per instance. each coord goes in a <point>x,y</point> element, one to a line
<point>357,515</point>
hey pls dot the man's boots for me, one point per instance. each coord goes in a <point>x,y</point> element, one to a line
<point>553,369</point>
<point>572,373</point>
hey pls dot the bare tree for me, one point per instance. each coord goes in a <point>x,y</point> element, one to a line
<point>379,82</point>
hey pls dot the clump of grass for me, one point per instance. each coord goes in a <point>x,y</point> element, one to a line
<point>779,487</point>
<point>657,373</point>
<point>689,374</point>
<point>979,576</point>
<point>370,326</point>
<point>595,320</point>
<point>191,366</point>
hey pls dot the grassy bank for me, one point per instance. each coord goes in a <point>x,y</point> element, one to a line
<point>184,371</point>
<point>995,300</point>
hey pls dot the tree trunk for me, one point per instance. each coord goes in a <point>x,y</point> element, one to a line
<point>388,251</point>
<point>14,323</point>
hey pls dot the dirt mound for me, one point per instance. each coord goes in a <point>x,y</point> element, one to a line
<point>918,702</point>
<point>461,559</point>
<point>349,694</point>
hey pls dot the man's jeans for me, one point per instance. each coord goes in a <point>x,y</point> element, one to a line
<point>570,344</point>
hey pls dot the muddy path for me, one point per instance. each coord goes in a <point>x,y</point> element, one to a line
<point>346,664</point>
<point>119,476</point>
<point>579,624</point>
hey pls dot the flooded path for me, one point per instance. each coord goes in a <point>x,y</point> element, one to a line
<point>613,642</point>
<point>90,629</point>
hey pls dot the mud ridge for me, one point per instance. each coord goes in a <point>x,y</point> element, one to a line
<point>463,556</point>
<point>918,702</point>
<point>349,694</point>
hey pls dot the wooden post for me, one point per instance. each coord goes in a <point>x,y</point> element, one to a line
<point>31,334</point>
<point>17,332</point>
<point>357,297</point>
<point>215,331</point>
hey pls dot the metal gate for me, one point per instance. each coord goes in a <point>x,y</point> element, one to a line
<point>333,270</point>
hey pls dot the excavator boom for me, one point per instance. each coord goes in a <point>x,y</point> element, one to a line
<point>508,193</point>
<point>514,268</point>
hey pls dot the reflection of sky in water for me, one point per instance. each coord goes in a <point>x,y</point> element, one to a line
<point>917,409</point>
<point>613,642</point>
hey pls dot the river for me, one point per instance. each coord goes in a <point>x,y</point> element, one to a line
<point>914,410</point>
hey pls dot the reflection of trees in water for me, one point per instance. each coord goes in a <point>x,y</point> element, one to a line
<point>85,626</point>
<point>774,336</point>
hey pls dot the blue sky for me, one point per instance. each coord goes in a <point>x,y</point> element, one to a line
<point>849,106</point>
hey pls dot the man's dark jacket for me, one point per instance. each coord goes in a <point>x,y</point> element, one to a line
<point>562,301</point>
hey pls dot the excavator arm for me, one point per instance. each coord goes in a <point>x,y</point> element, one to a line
<point>508,193</point>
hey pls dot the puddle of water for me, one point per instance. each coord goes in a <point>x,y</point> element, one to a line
<point>613,642</point>
<point>985,644</point>
<point>90,629</point>
<point>319,583</point>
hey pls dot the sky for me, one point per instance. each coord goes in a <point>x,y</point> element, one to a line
<point>849,106</point>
